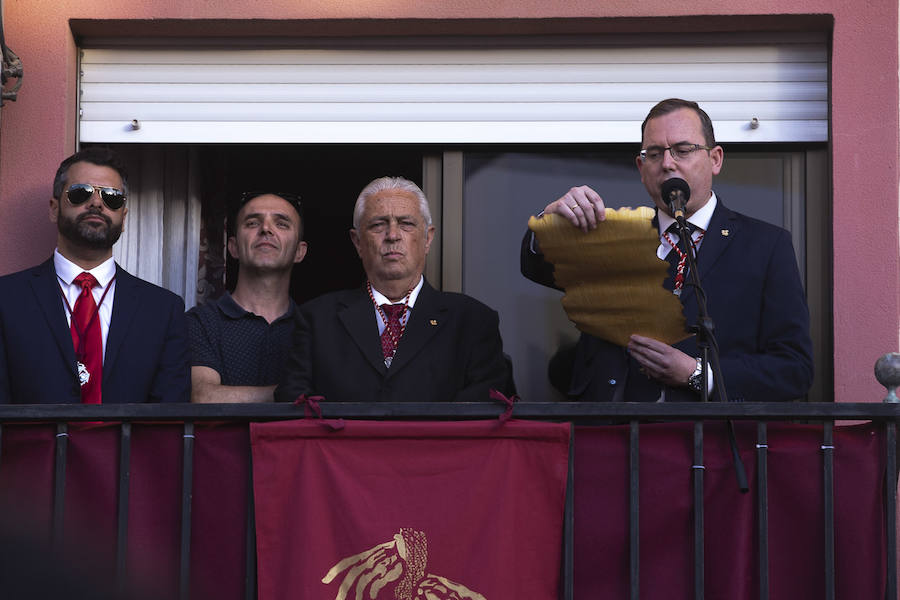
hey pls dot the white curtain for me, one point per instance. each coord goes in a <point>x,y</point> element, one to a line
<point>161,240</point>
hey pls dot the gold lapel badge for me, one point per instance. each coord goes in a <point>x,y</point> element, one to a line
<point>725,233</point>
<point>433,322</point>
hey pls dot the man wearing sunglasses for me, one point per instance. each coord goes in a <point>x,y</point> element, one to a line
<point>240,342</point>
<point>747,268</point>
<point>78,328</point>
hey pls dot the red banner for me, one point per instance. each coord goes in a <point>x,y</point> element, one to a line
<point>473,508</point>
<point>407,511</point>
<point>218,517</point>
<point>796,516</point>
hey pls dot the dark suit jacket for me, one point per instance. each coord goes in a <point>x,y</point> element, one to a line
<point>757,304</point>
<point>146,357</point>
<point>450,350</point>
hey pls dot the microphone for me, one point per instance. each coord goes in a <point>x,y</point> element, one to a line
<point>675,193</point>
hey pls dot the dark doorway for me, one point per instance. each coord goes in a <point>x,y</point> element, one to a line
<point>328,180</point>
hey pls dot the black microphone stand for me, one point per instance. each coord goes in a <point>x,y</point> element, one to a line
<point>707,343</point>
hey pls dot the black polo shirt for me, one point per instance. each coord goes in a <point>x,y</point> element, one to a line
<point>239,345</point>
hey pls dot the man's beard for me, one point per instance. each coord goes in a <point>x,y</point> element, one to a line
<point>86,234</point>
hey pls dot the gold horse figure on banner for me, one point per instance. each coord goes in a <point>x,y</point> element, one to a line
<point>402,560</point>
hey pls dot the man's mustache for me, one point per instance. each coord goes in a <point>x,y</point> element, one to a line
<point>95,212</point>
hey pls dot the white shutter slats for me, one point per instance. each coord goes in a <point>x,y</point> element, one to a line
<point>452,74</point>
<point>461,132</point>
<point>437,92</point>
<point>432,95</point>
<point>427,111</point>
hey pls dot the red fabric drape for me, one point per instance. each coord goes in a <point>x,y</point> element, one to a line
<point>491,488</point>
<point>220,491</point>
<point>477,503</point>
<point>796,513</point>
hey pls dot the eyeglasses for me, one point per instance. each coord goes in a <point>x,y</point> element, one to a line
<point>79,193</point>
<point>678,151</point>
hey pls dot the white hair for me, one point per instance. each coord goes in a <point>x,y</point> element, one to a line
<point>391,183</point>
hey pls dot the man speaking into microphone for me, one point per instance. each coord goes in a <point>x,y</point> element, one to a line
<point>747,268</point>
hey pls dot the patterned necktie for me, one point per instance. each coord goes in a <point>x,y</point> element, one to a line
<point>87,340</point>
<point>390,337</point>
<point>678,259</point>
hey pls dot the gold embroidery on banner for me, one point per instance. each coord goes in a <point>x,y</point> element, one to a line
<point>402,560</point>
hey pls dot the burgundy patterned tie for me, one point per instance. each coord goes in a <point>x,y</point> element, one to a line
<point>390,337</point>
<point>87,340</point>
<point>677,258</point>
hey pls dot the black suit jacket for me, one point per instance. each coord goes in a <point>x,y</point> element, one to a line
<point>758,306</point>
<point>146,357</point>
<point>450,350</point>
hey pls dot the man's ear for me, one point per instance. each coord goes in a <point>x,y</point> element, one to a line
<point>429,237</point>
<point>301,252</point>
<point>232,247</point>
<point>717,155</point>
<point>54,210</point>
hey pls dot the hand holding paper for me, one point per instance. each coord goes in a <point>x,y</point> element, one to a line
<point>612,276</point>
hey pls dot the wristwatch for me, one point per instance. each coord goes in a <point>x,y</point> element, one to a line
<point>695,381</point>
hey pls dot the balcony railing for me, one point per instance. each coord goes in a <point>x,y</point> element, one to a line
<point>580,414</point>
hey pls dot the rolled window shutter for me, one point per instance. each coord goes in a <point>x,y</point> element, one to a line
<point>765,91</point>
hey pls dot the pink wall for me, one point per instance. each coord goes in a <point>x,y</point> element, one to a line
<point>39,129</point>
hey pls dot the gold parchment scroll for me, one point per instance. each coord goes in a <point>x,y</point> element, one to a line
<point>612,276</point>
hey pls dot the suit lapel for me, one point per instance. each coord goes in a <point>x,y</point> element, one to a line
<point>358,317</point>
<point>428,316</point>
<point>125,305</point>
<point>45,287</point>
<point>723,227</point>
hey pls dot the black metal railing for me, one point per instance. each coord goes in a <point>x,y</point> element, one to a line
<point>827,414</point>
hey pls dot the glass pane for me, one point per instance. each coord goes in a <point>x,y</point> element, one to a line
<point>501,191</point>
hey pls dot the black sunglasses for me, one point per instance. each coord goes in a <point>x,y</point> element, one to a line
<point>79,193</point>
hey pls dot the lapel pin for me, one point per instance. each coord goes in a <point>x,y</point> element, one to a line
<point>433,322</point>
<point>725,233</point>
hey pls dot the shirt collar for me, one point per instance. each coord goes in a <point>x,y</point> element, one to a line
<point>67,271</point>
<point>382,299</point>
<point>701,218</point>
<point>231,309</point>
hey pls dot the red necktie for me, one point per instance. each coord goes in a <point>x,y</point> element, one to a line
<point>87,340</point>
<point>390,337</point>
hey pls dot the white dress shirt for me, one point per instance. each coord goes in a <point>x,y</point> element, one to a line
<point>104,273</point>
<point>700,219</point>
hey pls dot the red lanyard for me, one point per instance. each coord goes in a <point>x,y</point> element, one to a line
<point>395,340</point>
<point>682,259</point>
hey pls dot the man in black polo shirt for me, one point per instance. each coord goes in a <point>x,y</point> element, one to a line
<point>240,342</point>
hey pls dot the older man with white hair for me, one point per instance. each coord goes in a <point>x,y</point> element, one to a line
<point>396,339</point>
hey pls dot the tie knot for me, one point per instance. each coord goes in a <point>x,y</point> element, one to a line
<point>86,280</point>
<point>393,311</point>
<point>673,228</point>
